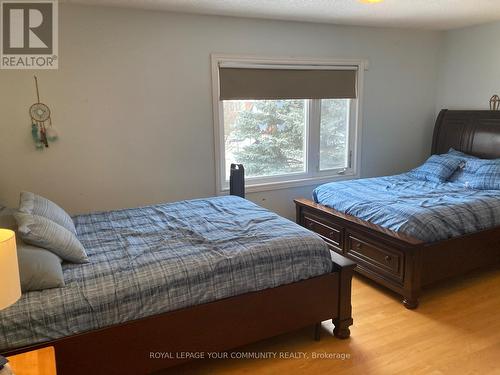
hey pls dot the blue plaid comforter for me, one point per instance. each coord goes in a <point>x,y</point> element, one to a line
<point>155,259</point>
<point>425,210</point>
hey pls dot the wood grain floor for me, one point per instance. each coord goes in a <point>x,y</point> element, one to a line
<point>456,330</point>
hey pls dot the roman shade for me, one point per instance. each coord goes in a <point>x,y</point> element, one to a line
<point>287,83</point>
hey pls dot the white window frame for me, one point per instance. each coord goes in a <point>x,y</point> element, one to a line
<point>312,174</point>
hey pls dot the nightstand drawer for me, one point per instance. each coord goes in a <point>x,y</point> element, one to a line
<point>383,260</point>
<point>331,233</point>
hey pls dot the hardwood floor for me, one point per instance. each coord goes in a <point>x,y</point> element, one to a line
<point>455,330</point>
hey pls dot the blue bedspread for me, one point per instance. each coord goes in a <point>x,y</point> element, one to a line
<point>424,210</point>
<point>155,259</point>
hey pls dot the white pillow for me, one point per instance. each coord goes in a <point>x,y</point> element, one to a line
<point>31,203</point>
<point>40,231</point>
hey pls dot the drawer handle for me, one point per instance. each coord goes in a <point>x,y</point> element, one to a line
<point>310,225</point>
<point>331,234</point>
<point>388,258</point>
<point>358,245</point>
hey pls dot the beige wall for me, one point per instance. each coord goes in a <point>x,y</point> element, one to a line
<point>469,67</point>
<point>132,103</point>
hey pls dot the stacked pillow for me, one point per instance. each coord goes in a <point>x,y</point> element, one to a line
<point>458,167</point>
<point>38,268</point>
<point>464,173</point>
<point>40,231</point>
<point>35,205</point>
<point>476,173</point>
<point>7,220</point>
<point>438,168</point>
<point>486,174</point>
<point>49,237</point>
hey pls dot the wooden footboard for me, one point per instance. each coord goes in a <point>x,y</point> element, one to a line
<point>161,341</point>
<point>394,260</point>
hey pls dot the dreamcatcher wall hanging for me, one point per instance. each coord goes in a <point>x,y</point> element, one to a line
<point>42,130</point>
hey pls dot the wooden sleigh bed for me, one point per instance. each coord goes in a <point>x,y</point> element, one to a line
<point>151,344</point>
<point>402,263</point>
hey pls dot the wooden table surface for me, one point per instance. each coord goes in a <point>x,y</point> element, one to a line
<point>36,362</point>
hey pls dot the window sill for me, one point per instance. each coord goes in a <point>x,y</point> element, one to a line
<point>308,181</point>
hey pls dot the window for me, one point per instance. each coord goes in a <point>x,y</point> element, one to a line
<point>334,134</point>
<point>280,138</point>
<point>266,136</point>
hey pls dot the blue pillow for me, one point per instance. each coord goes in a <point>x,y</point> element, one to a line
<point>438,168</point>
<point>463,174</point>
<point>486,176</point>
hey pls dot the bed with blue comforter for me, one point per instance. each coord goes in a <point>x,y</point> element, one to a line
<point>155,259</point>
<point>428,211</point>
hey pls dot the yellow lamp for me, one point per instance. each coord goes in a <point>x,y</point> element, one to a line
<point>10,286</point>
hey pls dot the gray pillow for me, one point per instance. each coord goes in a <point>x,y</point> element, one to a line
<point>7,220</point>
<point>38,268</point>
<point>31,203</point>
<point>39,231</point>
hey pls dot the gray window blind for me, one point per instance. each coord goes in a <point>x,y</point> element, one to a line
<point>257,83</point>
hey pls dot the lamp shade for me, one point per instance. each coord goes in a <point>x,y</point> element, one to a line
<point>10,286</point>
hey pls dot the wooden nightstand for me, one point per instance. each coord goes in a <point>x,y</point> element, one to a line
<point>36,362</point>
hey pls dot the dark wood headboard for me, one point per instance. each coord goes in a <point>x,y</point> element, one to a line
<point>473,132</point>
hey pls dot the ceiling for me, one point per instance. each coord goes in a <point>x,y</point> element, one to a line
<point>424,14</point>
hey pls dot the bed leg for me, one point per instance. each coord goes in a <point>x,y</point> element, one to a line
<point>317,332</point>
<point>412,278</point>
<point>410,303</point>
<point>342,330</point>
<point>345,268</point>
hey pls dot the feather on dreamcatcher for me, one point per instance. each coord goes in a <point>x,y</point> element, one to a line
<point>42,130</point>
